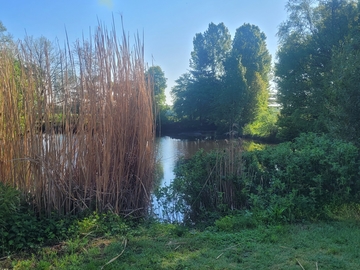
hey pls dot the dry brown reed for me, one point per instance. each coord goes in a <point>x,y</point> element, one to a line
<point>76,124</point>
<point>229,166</point>
<point>225,182</point>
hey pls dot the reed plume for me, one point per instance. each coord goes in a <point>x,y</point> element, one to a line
<point>76,124</point>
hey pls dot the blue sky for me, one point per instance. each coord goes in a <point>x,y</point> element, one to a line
<point>169,26</point>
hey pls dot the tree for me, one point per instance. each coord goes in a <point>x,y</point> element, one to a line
<point>203,82</point>
<point>157,79</point>
<point>304,67</point>
<point>184,107</point>
<point>228,81</point>
<point>344,92</point>
<point>232,99</point>
<point>246,80</point>
<point>5,38</point>
<point>250,43</point>
<point>210,51</point>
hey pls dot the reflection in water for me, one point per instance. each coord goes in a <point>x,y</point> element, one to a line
<point>170,150</point>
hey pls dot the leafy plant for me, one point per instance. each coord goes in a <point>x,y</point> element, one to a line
<point>21,229</point>
<point>236,222</point>
<point>285,183</point>
<point>299,179</point>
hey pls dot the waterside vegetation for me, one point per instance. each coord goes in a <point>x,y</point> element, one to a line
<point>101,156</point>
<point>77,157</point>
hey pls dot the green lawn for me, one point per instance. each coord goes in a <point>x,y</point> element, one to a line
<point>332,245</point>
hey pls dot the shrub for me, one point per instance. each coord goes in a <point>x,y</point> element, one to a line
<point>298,179</point>
<point>284,183</point>
<point>21,229</point>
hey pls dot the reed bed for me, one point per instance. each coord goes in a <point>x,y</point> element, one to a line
<point>224,181</point>
<point>76,124</point>
<point>229,176</point>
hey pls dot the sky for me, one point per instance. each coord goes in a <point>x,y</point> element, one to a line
<point>168,26</point>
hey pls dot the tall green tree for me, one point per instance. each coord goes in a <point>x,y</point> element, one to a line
<point>183,106</point>
<point>231,101</point>
<point>210,51</point>
<point>227,84</point>
<point>304,68</point>
<point>156,77</point>
<point>344,92</point>
<point>157,80</point>
<point>250,44</point>
<point>195,92</point>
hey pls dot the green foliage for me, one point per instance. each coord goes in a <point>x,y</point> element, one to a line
<point>156,77</point>
<point>249,48</point>
<point>344,94</point>
<point>20,229</point>
<point>285,183</point>
<point>196,91</point>
<point>298,180</point>
<point>204,187</point>
<point>313,72</point>
<point>9,201</point>
<point>97,225</point>
<point>236,222</point>
<point>210,51</point>
<point>264,125</point>
<point>233,94</point>
<point>228,81</point>
<point>171,203</point>
<point>329,245</point>
<point>207,186</point>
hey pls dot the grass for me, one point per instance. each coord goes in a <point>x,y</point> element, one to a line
<point>331,245</point>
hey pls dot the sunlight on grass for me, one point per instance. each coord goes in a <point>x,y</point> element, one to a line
<point>332,245</point>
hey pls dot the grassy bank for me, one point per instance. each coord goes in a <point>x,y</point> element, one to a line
<point>324,245</point>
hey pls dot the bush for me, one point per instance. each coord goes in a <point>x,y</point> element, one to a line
<point>20,228</point>
<point>285,183</point>
<point>296,180</point>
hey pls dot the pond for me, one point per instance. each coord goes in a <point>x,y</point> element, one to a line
<point>170,150</point>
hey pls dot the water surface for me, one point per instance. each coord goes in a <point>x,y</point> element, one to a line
<point>170,150</point>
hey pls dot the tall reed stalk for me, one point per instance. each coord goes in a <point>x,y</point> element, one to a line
<point>76,124</point>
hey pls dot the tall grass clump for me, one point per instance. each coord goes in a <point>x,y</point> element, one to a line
<point>76,124</point>
<point>208,185</point>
